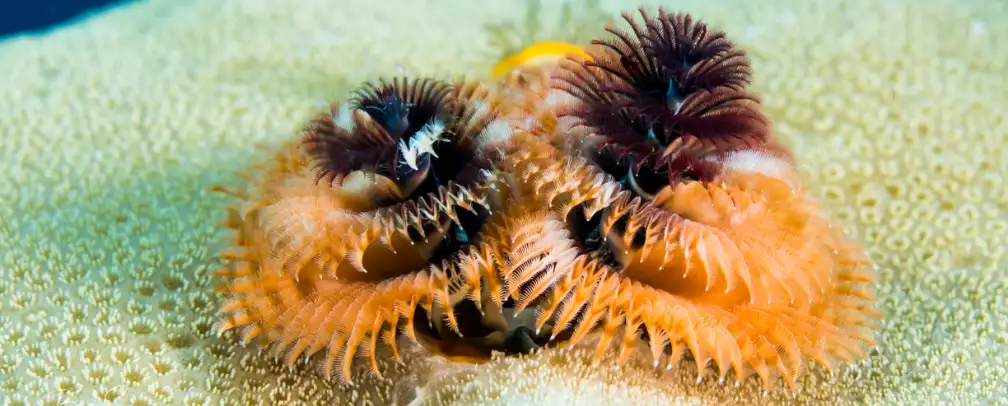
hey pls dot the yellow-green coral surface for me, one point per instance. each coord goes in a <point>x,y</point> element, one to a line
<point>113,127</point>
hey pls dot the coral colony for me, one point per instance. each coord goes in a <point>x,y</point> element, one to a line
<point>630,196</point>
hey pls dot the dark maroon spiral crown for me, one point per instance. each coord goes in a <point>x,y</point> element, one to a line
<point>663,96</point>
<point>394,111</point>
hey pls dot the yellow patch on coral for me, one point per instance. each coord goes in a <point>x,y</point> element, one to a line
<point>538,55</point>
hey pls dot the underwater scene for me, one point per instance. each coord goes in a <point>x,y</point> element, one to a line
<point>526,202</point>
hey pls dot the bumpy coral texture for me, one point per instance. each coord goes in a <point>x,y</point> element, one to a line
<point>895,109</point>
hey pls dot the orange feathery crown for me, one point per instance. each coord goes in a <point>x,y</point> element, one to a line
<point>374,212</point>
<point>631,196</point>
<point>686,226</point>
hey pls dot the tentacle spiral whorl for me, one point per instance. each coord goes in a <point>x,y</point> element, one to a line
<point>385,129</point>
<point>739,270</point>
<point>667,86</point>
<point>682,220</point>
<point>370,220</point>
<point>427,145</point>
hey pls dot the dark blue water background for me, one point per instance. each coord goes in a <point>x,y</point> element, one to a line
<point>31,17</point>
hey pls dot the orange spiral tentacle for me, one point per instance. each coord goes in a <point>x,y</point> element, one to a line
<point>744,270</point>
<point>342,262</point>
